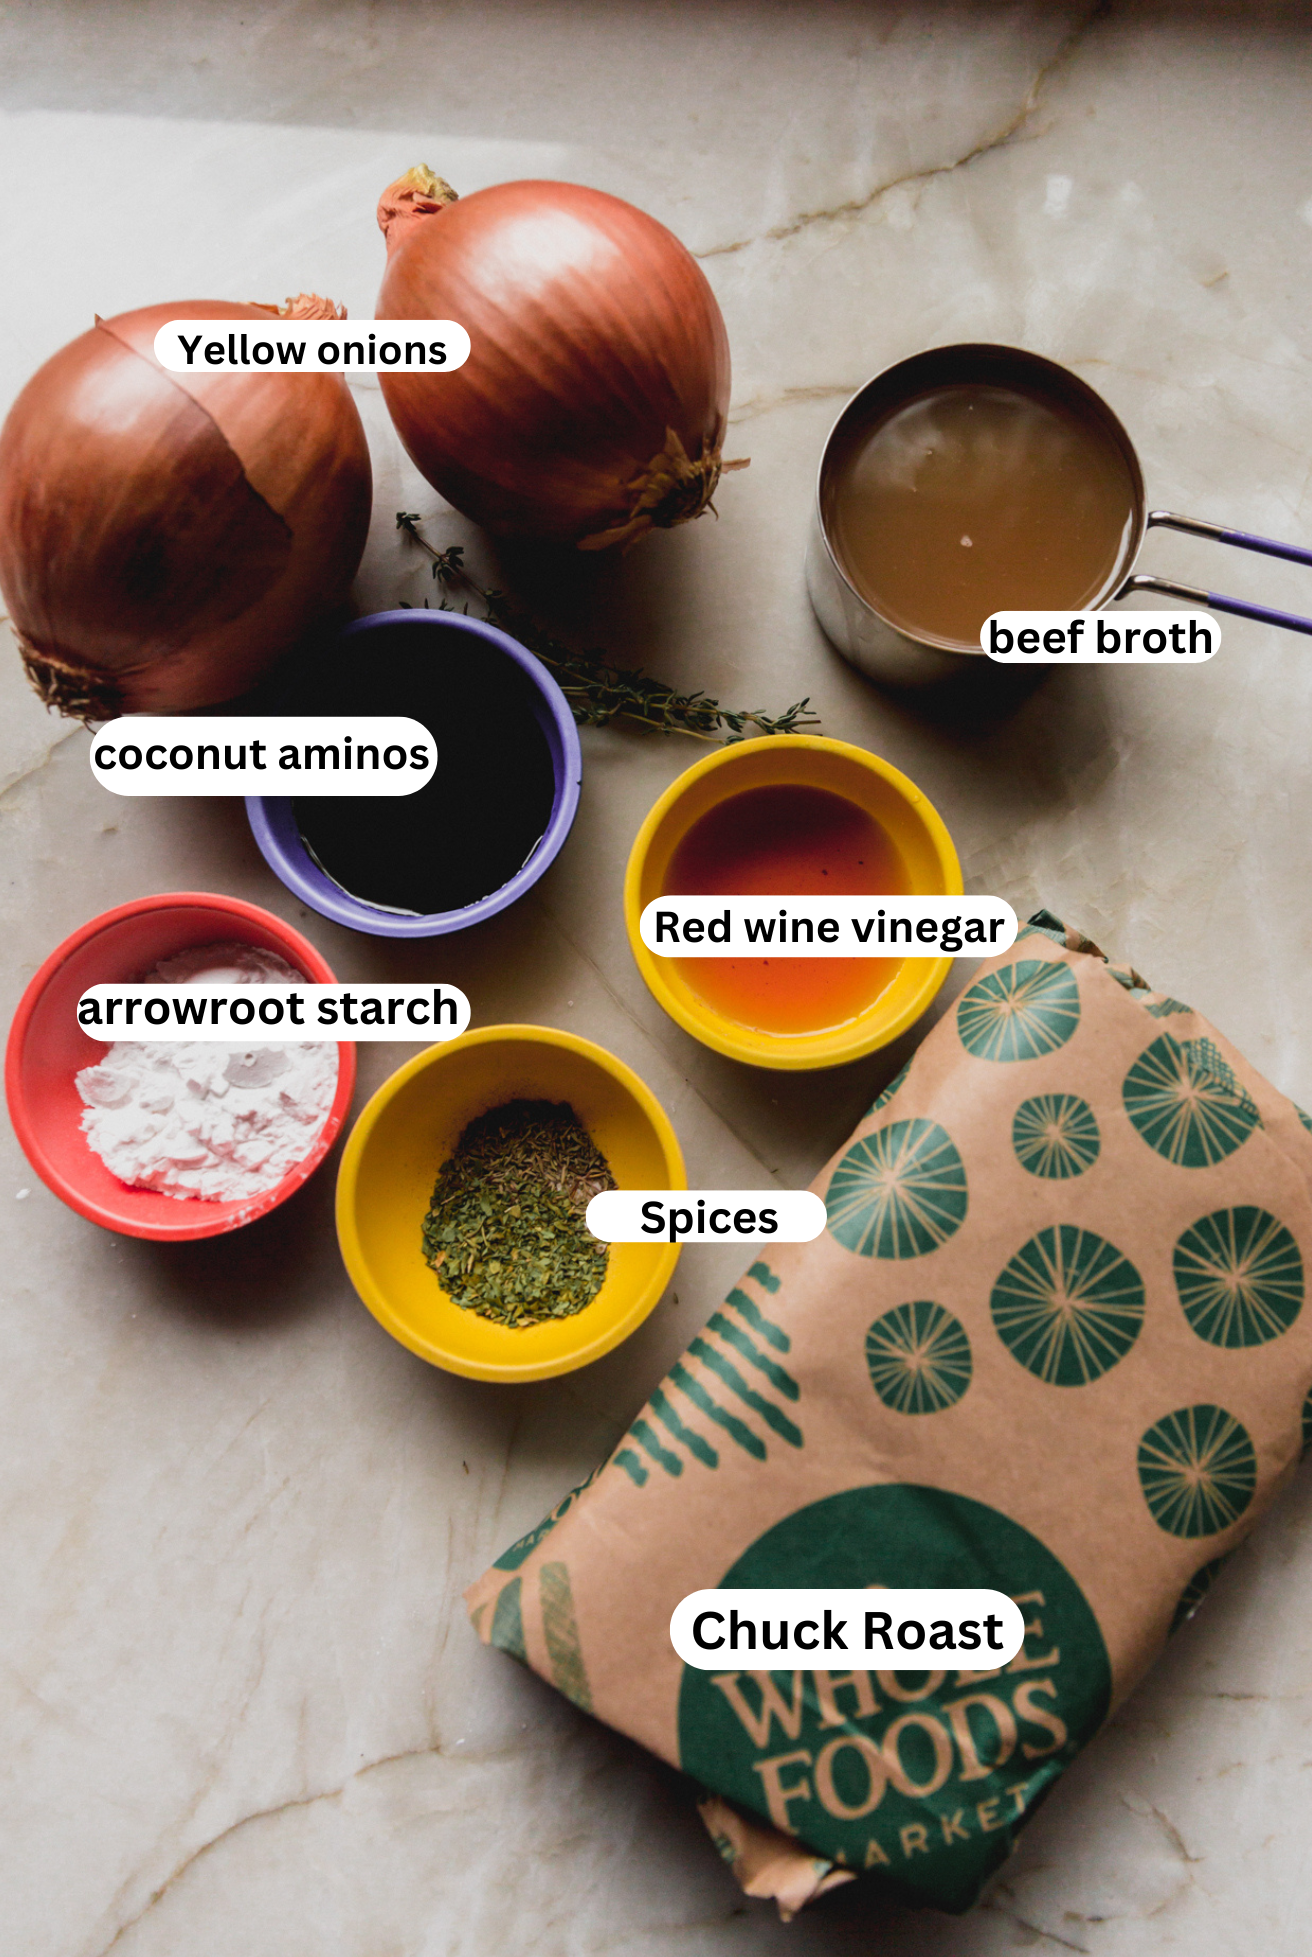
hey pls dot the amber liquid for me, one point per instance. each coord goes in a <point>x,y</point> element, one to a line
<point>974,499</point>
<point>787,842</point>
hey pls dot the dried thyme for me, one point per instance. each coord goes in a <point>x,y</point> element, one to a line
<point>505,1231</point>
<point>597,690</point>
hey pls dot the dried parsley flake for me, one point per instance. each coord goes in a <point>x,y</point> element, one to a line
<point>505,1230</point>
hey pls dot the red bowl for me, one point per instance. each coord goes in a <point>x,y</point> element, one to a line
<point>47,1048</point>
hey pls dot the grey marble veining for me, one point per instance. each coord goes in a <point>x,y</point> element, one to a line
<point>241,1710</point>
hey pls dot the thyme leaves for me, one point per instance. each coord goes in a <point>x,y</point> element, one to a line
<point>598,690</point>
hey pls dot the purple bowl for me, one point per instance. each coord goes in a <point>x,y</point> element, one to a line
<point>274,825</point>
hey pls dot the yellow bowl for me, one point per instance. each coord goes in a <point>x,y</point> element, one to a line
<point>407,1131</point>
<point>809,761</point>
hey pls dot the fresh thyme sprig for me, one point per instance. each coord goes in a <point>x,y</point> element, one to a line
<point>597,690</point>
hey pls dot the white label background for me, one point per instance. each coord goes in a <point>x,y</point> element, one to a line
<point>1086,651</point>
<point>161,735</point>
<point>313,337</point>
<point>990,911</point>
<point>850,1606</point>
<point>412,1019</point>
<point>615,1216</point>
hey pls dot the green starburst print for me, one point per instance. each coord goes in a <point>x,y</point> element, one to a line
<point>1239,1274</point>
<point>1043,925</point>
<point>1306,1119</point>
<point>1055,1136</point>
<point>1195,1590</point>
<point>1020,1013</point>
<point>1068,1306</point>
<point>899,1192</point>
<point>1197,1470</point>
<point>1187,1102</point>
<point>882,1099</point>
<point>919,1358</point>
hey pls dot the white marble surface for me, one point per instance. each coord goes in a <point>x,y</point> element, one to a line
<point>242,1714</point>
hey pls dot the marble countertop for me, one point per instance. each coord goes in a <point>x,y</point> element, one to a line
<point>241,1708</point>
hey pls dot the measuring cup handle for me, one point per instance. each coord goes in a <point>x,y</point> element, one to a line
<point>1216,533</point>
<point>1242,539</point>
<point>1215,601</point>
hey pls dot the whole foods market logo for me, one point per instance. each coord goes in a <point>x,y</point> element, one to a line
<point>922,1774</point>
<point>916,1753</point>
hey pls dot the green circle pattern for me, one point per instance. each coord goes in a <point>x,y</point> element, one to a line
<point>919,1358</point>
<point>1239,1274</point>
<point>1068,1306</point>
<point>1306,1119</point>
<point>1198,1470</point>
<point>1194,1591</point>
<point>1021,1012</point>
<point>1187,1102</point>
<point>894,1534</point>
<point>1055,1136</point>
<point>899,1192</point>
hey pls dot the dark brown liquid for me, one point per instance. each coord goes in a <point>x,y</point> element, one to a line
<point>974,498</point>
<point>474,825</point>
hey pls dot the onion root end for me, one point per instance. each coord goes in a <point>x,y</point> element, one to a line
<point>673,488</point>
<point>76,691</point>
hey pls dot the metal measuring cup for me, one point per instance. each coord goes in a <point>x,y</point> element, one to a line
<point>885,651</point>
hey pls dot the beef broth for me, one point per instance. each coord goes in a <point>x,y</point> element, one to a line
<point>974,497</point>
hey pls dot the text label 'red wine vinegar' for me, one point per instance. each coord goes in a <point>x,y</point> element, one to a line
<point>805,841</point>
<point>799,928</point>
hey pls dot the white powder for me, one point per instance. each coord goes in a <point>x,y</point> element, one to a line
<point>198,1119</point>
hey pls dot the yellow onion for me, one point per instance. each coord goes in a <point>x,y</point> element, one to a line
<point>164,538</point>
<point>592,407</point>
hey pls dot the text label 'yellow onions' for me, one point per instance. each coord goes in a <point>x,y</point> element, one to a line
<point>592,407</point>
<point>165,537</point>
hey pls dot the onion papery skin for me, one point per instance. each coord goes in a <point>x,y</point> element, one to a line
<point>592,407</point>
<point>165,538</point>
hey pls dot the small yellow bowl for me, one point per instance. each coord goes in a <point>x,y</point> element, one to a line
<point>808,761</point>
<point>407,1131</point>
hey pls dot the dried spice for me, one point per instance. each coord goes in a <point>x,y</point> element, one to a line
<point>505,1231</point>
